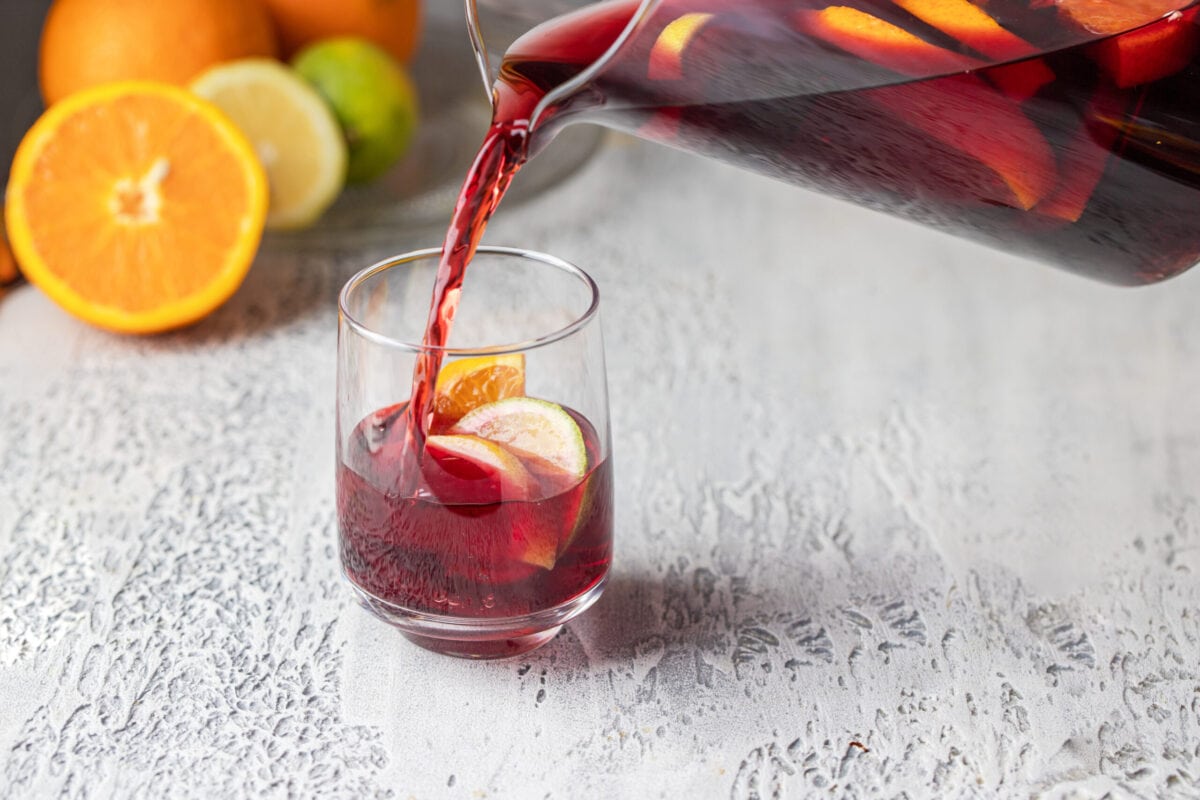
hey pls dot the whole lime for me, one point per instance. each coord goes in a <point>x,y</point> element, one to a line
<point>370,94</point>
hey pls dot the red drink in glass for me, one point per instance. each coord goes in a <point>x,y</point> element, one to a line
<point>476,515</point>
<point>456,546</point>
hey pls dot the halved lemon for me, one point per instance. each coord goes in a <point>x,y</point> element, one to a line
<point>293,130</point>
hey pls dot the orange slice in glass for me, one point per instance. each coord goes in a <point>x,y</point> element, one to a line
<point>466,384</point>
<point>136,206</point>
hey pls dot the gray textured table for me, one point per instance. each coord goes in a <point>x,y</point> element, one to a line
<point>897,517</point>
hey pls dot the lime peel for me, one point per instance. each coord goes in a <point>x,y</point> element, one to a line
<point>372,96</point>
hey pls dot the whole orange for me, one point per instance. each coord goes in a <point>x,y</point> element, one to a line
<point>89,42</point>
<point>394,25</point>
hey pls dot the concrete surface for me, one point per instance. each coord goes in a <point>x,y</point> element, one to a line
<point>897,517</point>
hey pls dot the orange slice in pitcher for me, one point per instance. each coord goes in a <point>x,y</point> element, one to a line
<point>971,25</point>
<point>1144,54</point>
<point>1022,80</point>
<point>1085,156</point>
<point>1114,16</point>
<point>468,383</point>
<point>974,27</point>
<point>136,206</point>
<point>666,55</point>
<point>880,42</point>
<point>962,113</point>
<point>958,111</point>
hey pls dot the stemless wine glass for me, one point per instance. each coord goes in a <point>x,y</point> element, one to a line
<point>482,534</point>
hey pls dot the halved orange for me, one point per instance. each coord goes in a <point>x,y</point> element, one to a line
<point>468,383</point>
<point>136,206</point>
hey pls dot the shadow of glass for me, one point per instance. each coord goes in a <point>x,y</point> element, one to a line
<point>706,625</point>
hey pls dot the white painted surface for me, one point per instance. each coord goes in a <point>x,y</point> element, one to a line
<point>897,516</point>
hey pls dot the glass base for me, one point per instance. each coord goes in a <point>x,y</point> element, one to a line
<point>479,637</point>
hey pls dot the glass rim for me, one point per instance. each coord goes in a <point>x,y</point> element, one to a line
<point>391,262</point>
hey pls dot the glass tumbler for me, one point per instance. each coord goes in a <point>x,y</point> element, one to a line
<point>482,531</point>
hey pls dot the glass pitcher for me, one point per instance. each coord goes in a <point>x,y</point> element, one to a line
<point>1067,131</point>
